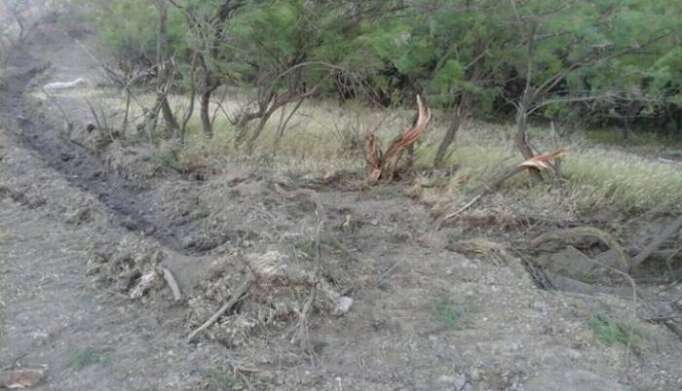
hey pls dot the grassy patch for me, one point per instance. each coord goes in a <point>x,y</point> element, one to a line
<point>611,331</point>
<point>323,137</point>
<point>637,139</point>
<point>87,357</point>
<point>600,178</point>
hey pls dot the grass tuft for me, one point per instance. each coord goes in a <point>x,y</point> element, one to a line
<point>610,332</point>
<point>87,357</point>
<point>452,315</point>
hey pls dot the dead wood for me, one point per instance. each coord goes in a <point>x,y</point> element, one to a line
<point>572,234</point>
<point>172,284</point>
<point>21,377</point>
<point>667,233</point>
<point>384,166</point>
<point>236,296</point>
<point>536,163</point>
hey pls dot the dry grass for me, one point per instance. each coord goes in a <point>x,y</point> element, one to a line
<point>324,137</point>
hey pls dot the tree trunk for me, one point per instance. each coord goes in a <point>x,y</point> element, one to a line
<point>521,140</point>
<point>521,137</point>
<point>451,133</point>
<point>206,125</point>
<point>626,128</point>
<point>172,125</point>
<point>165,75</point>
<point>257,132</point>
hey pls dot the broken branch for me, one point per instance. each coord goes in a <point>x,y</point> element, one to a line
<point>236,296</point>
<point>172,283</point>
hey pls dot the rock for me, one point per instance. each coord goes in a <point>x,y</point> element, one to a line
<point>572,263</point>
<point>611,258</point>
<point>571,380</point>
<point>460,381</point>
<point>144,284</point>
<point>343,305</point>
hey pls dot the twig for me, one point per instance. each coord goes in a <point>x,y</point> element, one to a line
<point>172,284</point>
<point>388,271</point>
<point>462,209</point>
<point>301,334</point>
<point>236,296</point>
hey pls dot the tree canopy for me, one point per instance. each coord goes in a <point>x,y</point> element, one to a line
<point>604,61</point>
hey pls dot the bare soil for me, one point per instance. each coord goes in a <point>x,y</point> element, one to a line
<point>83,245</point>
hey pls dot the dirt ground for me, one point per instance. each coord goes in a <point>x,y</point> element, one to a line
<point>85,239</point>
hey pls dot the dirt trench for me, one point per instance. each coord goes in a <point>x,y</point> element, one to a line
<point>78,165</point>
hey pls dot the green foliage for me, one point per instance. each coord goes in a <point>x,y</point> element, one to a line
<point>607,53</point>
<point>129,29</point>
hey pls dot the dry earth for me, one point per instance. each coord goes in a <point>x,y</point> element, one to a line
<point>85,237</point>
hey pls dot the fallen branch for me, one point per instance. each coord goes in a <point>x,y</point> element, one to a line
<point>236,296</point>
<point>540,162</point>
<point>172,284</point>
<point>667,233</point>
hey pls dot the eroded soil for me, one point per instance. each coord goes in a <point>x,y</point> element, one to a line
<point>78,237</point>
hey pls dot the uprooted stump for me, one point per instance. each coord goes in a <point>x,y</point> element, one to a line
<point>384,166</point>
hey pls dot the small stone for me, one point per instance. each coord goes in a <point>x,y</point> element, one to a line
<point>343,305</point>
<point>460,382</point>
<point>446,379</point>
